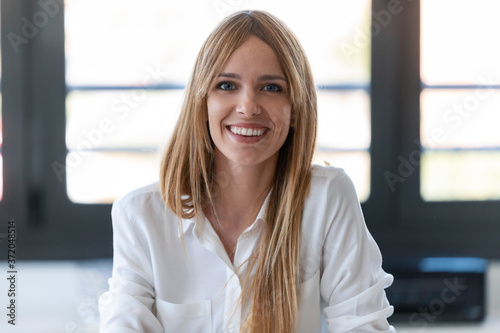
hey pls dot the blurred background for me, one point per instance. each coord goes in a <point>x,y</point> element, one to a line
<point>409,106</point>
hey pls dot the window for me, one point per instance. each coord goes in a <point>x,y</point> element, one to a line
<point>123,100</point>
<point>435,170</point>
<point>89,97</point>
<point>460,101</point>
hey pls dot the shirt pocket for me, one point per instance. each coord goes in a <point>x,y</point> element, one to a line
<point>188,317</point>
<point>309,315</point>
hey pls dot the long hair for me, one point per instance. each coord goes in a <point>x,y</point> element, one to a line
<point>187,179</point>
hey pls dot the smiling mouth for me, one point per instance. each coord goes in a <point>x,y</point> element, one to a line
<point>243,131</point>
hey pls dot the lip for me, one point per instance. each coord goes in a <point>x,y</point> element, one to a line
<point>247,139</point>
<point>248,125</point>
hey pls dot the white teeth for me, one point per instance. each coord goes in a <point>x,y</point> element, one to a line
<point>246,131</point>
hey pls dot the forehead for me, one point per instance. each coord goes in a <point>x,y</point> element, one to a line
<point>253,55</point>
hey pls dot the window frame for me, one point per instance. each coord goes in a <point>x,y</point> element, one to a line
<point>33,85</point>
<point>401,221</point>
<point>52,227</point>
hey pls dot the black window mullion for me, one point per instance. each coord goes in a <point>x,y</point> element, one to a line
<point>382,210</point>
<point>14,87</point>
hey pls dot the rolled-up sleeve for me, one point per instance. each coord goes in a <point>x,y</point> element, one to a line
<point>352,279</point>
<point>128,306</point>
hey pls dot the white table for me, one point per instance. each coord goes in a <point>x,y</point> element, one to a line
<point>61,297</point>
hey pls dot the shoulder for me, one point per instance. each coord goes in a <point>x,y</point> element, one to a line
<point>326,172</point>
<point>146,192</point>
<point>140,215</point>
<point>141,200</point>
<point>331,179</point>
<point>331,194</point>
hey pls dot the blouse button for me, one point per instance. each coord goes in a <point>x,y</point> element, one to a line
<point>231,328</point>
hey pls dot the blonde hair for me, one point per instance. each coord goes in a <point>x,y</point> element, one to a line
<point>187,179</point>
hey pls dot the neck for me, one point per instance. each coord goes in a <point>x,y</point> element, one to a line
<point>239,192</point>
<point>241,189</point>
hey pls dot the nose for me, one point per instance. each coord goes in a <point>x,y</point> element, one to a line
<point>247,103</point>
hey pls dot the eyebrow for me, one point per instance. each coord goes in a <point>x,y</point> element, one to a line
<point>271,78</point>
<point>260,78</point>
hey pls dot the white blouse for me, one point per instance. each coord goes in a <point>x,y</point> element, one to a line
<point>157,286</point>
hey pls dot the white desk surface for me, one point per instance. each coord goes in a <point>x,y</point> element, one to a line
<point>61,297</point>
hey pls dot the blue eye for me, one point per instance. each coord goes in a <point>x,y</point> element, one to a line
<point>226,86</point>
<point>272,88</point>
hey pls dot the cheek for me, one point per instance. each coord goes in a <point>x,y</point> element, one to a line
<point>283,117</point>
<point>215,114</point>
<point>213,111</point>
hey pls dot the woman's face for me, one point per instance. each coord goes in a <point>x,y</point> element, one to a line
<point>249,107</point>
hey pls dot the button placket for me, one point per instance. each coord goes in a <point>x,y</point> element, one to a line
<point>232,305</point>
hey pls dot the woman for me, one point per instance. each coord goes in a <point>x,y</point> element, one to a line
<point>242,234</point>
